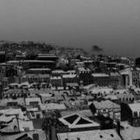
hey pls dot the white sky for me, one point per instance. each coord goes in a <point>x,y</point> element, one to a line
<point>112,24</point>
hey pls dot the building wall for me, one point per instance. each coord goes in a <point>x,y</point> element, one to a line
<point>37,78</point>
<point>70,80</point>
<point>56,82</point>
<point>113,113</point>
<point>86,77</point>
<point>113,81</point>
<point>136,78</point>
<point>101,81</point>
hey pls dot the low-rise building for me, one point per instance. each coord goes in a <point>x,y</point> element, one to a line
<point>103,79</point>
<point>34,101</point>
<point>56,81</point>
<point>106,108</point>
<point>85,75</point>
<point>37,78</point>
<point>69,79</point>
<point>135,114</point>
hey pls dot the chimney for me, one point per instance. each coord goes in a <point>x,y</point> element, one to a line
<point>53,133</point>
<point>118,128</point>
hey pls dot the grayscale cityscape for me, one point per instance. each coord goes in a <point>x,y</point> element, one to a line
<point>69,70</point>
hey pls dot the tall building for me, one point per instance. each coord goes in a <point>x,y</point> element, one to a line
<point>2,56</point>
<point>1,90</point>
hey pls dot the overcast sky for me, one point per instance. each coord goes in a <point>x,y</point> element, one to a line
<point>114,25</point>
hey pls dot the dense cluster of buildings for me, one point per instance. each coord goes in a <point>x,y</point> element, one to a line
<point>64,94</point>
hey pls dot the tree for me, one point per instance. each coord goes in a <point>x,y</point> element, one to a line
<point>52,125</point>
<point>31,54</point>
<point>97,49</point>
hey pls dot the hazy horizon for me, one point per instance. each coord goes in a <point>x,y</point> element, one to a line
<point>111,24</point>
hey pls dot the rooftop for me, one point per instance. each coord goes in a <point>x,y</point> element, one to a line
<point>55,106</point>
<point>100,75</point>
<point>105,104</point>
<point>135,107</point>
<point>38,69</point>
<point>109,134</point>
<point>69,75</point>
<point>75,120</point>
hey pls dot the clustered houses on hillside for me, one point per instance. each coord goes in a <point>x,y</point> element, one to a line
<point>55,93</point>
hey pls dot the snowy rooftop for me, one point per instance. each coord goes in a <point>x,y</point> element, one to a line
<point>135,107</point>
<point>100,75</point>
<point>69,75</point>
<point>105,104</point>
<point>109,134</point>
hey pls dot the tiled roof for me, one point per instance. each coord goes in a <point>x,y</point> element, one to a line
<point>105,104</point>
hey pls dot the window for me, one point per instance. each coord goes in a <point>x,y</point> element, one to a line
<point>135,114</point>
<point>111,135</point>
<point>101,136</point>
<point>71,119</point>
<point>26,129</point>
<point>15,128</point>
<point>32,113</point>
<point>33,103</point>
<point>38,116</point>
<point>83,121</point>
